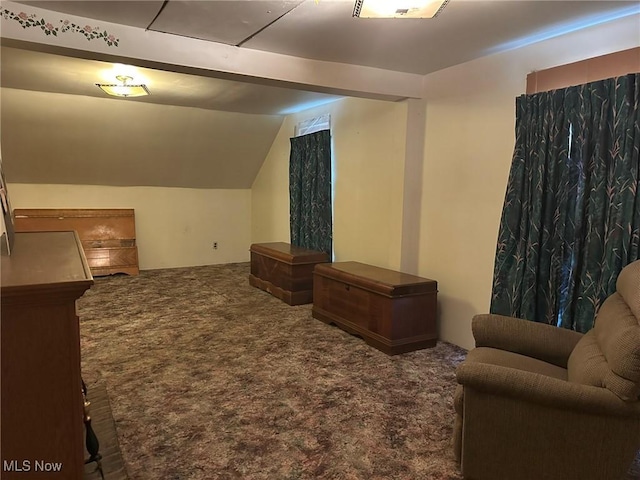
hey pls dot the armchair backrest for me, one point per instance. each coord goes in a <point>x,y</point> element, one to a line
<point>609,354</point>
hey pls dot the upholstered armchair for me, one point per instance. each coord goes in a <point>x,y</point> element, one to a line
<point>538,402</point>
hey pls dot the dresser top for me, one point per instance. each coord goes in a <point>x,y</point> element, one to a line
<point>44,258</point>
<point>288,253</point>
<point>382,280</point>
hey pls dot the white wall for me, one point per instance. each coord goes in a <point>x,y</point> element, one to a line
<point>467,159</point>
<point>175,227</point>
<point>469,142</point>
<point>368,154</point>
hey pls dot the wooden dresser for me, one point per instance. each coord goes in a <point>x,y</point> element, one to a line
<point>392,311</point>
<point>42,406</point>
<point>108,235</point>
<point>285,271</point>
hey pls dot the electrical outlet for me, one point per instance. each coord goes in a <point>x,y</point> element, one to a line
<point>215,245</point>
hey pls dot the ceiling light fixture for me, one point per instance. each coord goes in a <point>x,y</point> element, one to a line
<point>398,8</point>
<point>124,89</point>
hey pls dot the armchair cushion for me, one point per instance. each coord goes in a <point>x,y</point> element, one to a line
<point>503,358</point>
<point>544,342</point>
<point>609,355</point>
<point>588,366</point>
<point>534,388</point>
<point>619,338</point>
<point>628,285</point>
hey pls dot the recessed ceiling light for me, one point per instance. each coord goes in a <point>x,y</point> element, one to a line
<point>398,8</point>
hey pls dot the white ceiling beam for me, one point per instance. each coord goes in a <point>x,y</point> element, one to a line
<point>160,50</point>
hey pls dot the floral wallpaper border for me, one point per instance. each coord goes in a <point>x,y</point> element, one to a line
<point>90,33</point>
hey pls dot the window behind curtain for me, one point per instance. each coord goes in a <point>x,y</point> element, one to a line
<point>311,216</point>
<point>571,218</point>
<point>313,125</point>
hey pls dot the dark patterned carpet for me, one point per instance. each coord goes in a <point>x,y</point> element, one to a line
<point>210,378</point>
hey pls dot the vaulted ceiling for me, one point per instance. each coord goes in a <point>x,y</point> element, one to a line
<point>244,108</point>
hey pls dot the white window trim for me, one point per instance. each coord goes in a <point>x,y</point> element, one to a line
<point>312,125</point>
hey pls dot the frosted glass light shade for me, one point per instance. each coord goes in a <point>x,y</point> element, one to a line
<point>124,89</point>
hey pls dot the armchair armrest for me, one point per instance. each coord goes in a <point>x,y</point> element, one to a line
<point>533,339</point>
<point>543,390</point>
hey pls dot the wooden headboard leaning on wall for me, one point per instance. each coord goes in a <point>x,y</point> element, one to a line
<point>590,70</point>
<point>108,236</point>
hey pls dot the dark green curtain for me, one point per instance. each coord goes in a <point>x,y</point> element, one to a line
<point>310,191</point>
<point>571,216</point>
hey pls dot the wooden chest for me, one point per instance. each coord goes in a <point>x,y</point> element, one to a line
<point>392,311</point>
<point>108,235</point>
<point>285,271</point>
